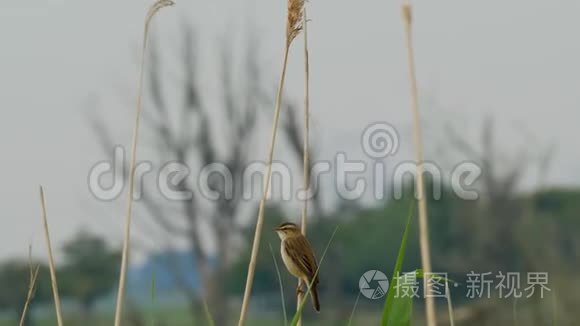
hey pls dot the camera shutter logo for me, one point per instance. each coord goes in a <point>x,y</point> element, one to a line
<point>373,284</point>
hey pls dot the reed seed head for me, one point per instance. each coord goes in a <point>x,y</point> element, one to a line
<point>295,19</point>
<point>407,12</point>
<point>158,5</point>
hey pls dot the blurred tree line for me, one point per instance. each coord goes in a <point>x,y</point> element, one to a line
<point>89,271</point>
<point>543,237</point>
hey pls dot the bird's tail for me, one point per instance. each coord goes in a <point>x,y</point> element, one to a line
<point>315,302</point>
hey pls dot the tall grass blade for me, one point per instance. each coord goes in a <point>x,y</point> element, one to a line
<point>402,308</point>
<point>153,298</point>
<point>208,315</point>
<point>299,310</point>
<point>281,285</point>
<point>449,304</point>
<point>401,311</point>
<point>389,302</point>
<point>554,308</point>
<point>515,311</point>
<point>350,319</point>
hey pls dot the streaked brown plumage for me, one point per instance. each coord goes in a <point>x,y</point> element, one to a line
<point>299,258</point>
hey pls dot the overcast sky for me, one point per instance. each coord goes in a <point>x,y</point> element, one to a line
<point>516,60</point>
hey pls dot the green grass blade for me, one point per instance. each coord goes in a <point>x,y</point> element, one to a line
<point>281,285</point>
<point>515,311</point>
<point>401,312</point>
<point>390,301</point>
<point>153,298</point>
<point>449,304</point>
<point>554,308</point>
<point>299,310</point>
<point>354,309</point>
<point>208,316</point>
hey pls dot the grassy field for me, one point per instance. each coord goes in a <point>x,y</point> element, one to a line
<point>182,317</point>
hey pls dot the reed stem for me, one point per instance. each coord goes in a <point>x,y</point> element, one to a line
<point>306,147</point>
<point>31,287</point>
<point>261,207</point>
<point>293,27</point>
<point>129,210</point>
<point>419,183</point>
<point>53,281</point>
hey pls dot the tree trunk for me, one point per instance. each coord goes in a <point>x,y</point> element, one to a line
<point>197,313</point>
<point>87,308</point>
<point>212,291</point>
<point>216,297</point>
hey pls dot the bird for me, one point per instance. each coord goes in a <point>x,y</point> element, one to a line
<point>299,258</point>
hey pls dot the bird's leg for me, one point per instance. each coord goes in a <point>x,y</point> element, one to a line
<point>299,288</point>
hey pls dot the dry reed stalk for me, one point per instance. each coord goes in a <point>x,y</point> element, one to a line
<point>280,284</point>
<point>419,184</point>
<point>306,146</point>
<point>31,287</point>
<point>449,304</point>
<point>53,281</point>
<point>260,220</point>
<point>127,234</point>
<point>293,28</point>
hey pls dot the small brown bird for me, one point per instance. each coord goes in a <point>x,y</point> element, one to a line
<point>299,258</point>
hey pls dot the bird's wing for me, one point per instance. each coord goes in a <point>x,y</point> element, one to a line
<point>299,249</point>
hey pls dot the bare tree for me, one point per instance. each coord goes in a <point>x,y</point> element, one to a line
<point>198,134</point>
<point>502,173</point>
<point>501,211</point>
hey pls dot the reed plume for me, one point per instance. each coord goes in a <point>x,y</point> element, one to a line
<point>294,23</point>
